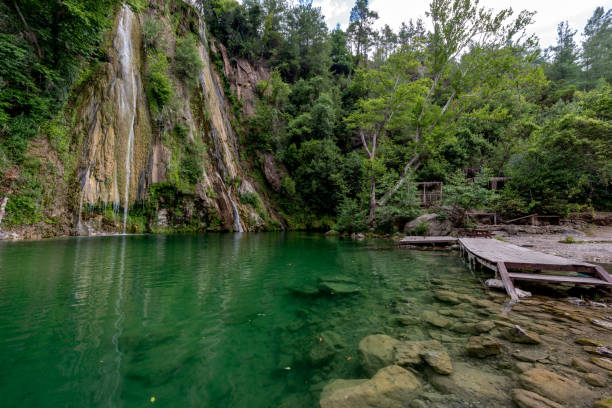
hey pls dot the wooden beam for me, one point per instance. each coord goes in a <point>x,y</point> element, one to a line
<point>550,267</point>
<point>505,277</point>
<point>559,279</point>
<point>603,274</point>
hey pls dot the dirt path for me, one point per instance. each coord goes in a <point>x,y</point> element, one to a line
<point>592,245</point>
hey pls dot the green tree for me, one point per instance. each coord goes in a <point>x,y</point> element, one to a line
<point>564,56</point>
<point>361,30</point>
<point>341,59</point>
<point>597,47</point>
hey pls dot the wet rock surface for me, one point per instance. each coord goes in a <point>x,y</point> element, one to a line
<point>468,351</point>
<point>391,387</point>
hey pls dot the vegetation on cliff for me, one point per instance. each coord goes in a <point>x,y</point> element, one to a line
<point>351,119</point>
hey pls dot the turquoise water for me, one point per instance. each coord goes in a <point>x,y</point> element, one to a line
<point>205,321</point>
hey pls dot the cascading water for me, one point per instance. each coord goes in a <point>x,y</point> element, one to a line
<point>127,95</point>
<point>237,225</point>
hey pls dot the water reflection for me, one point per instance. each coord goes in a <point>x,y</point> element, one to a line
<point>192,320</point>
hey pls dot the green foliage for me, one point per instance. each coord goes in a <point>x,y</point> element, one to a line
<point>153,34</point>
<point>187,60</point>
<point>41,58</point>
<point>351,217</point>
<point>251,199</point>
<point>158,86</point>
<point>421,229</point>
<point>464,194</point>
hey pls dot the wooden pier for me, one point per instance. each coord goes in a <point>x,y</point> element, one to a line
<point>501,257</point>
<point>427,241</point>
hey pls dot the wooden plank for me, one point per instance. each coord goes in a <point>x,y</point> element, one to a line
<point>603,274</point>
<point>551,267</point>
<point>419,240</point>
<point>558,279</point>
<point>497,251</point>
<point>501,268</point>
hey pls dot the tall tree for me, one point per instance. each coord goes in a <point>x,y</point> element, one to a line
<point>564,56</point>
<point>438,100</point>
<point>597,47</point>
<point>342,63</point>
<point>360,30</point>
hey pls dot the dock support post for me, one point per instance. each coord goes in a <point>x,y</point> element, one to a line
<point>503,272</point>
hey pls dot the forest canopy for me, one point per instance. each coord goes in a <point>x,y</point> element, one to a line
<point>354,118</point>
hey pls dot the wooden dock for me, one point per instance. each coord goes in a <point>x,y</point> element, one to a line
<point>501,257</point>
<point>428,241</point>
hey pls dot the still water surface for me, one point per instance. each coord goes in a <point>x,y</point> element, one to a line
<point>198,320</point>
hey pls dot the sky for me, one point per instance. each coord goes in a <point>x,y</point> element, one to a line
<point>549,13</point>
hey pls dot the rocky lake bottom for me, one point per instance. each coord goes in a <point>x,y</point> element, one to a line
<point>287,320</point>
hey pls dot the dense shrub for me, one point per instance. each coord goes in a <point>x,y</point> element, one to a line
<point>187,60</point>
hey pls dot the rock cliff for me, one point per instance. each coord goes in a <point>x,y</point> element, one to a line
<point>137,169</point>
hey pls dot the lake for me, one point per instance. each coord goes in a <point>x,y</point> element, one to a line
<point>212,320</point>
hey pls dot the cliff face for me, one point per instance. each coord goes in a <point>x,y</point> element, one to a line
<point>129,161</point>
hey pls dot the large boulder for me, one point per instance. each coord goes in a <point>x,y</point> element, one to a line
<point>376,351</point>
<point>391,387</point>
<point>436,226</point>
<point>557,388</point>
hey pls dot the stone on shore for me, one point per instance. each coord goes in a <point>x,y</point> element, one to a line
<point>391,387</point>
<point>583,365</point>
<point>482,346</point>
<point>603,362</point>
<point>376,351</point>
<point>527,399</point>
<point>604,403</point>
<point>557,388</point>
<point>596,380</point>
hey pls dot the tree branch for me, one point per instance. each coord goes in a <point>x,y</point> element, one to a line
<point>30,33</point>
<point>400,182</point>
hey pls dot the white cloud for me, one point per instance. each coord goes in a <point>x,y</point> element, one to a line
<point>549,13</point>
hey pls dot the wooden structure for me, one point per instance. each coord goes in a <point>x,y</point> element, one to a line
<point>430,192</point>
<point>503,257</point>
<point>427,241</point>
<point>535,219</point>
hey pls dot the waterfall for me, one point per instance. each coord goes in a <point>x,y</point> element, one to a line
<point>127,95</point>
<point>237,224</point>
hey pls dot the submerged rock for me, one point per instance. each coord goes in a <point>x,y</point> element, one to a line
<point>556,387</point>
<point>431,352</point>
<point>439,360</point>
<point>482,346</point>
<point>435,319</point>
<point>529,356</point>
<point>517,334</point>
<point>527,399</point>
<point>447,296</point>
<point>467,382</point>
<point>391,387</point>
<point>339,285</point>
<point>376,351</point>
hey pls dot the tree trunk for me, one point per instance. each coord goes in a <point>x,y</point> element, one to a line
<point>2,208</point>
<point>372,212</point>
